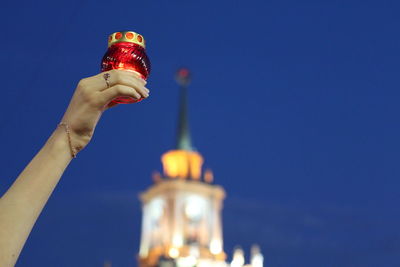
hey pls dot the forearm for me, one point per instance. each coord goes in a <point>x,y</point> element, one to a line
<point>21,205</point>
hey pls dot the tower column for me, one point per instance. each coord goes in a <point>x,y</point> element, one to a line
<point>145,237</point>
<point>177,235</point>
<point>216,244</point>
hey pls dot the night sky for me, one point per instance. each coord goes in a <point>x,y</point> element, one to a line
<point>293,104</point>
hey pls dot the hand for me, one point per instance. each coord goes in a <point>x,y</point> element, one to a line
<point>92,97</point>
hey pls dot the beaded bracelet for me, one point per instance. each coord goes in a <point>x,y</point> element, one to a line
<point>73,150</point>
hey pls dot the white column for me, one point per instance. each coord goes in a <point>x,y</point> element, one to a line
<point>216,243</point>
<point>177,236</point>
<point>144,242</point>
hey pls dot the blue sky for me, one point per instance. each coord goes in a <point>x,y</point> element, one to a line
<point>294,105</point>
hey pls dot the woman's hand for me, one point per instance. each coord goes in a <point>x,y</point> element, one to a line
<point>92,96</point>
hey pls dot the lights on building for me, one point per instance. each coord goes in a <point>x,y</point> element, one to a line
<point>182,164</point>
<point>257,259</point>
<point>238,258</point>
<point>156,208</point>
<point>216,246</point>
<point>173,253</point>
<point>177,240</point>
<point>194,208</point>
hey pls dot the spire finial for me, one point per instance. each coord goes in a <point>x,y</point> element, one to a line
<point>183,133</point>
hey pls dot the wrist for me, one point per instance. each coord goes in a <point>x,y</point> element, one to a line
<point>68,132</point>
<point>79,140</point>
<point>58,145</point>
<point>76,142</point>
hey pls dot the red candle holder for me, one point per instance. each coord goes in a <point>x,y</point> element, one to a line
<point>126,51</point>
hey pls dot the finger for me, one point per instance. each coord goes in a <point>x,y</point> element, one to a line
<point>136,75</point>
<point>99,83</point>
<point>117,76</point>
<point>128,80</point>
<point>143,91</point>
<point>118,91</point>
<point>135,83</point>
<point>124,78</point>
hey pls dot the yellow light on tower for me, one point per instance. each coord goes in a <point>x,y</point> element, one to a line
<point>182,164</point>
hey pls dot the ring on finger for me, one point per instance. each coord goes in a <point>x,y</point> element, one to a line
<point>106,77</point>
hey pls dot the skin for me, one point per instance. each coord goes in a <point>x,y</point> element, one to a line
<point>22,204</point>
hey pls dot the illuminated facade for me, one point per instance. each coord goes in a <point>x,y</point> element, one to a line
<point>181,224</point>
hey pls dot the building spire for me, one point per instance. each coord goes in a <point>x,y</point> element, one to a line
<point>183,162</point>
<point>183,141</point>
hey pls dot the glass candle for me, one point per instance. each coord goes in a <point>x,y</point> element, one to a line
<point>126,51</point>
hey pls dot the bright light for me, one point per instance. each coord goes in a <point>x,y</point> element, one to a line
<point>173,253</point>
<point>238,258</point>
<point>156,208</point>
<point>257,259</point>
<point>182,164</point>
<point>177,240</point>
<point>215,247</point>
<point>194,207</point>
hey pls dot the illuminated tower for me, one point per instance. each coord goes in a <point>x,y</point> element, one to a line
<point>181,224</point>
